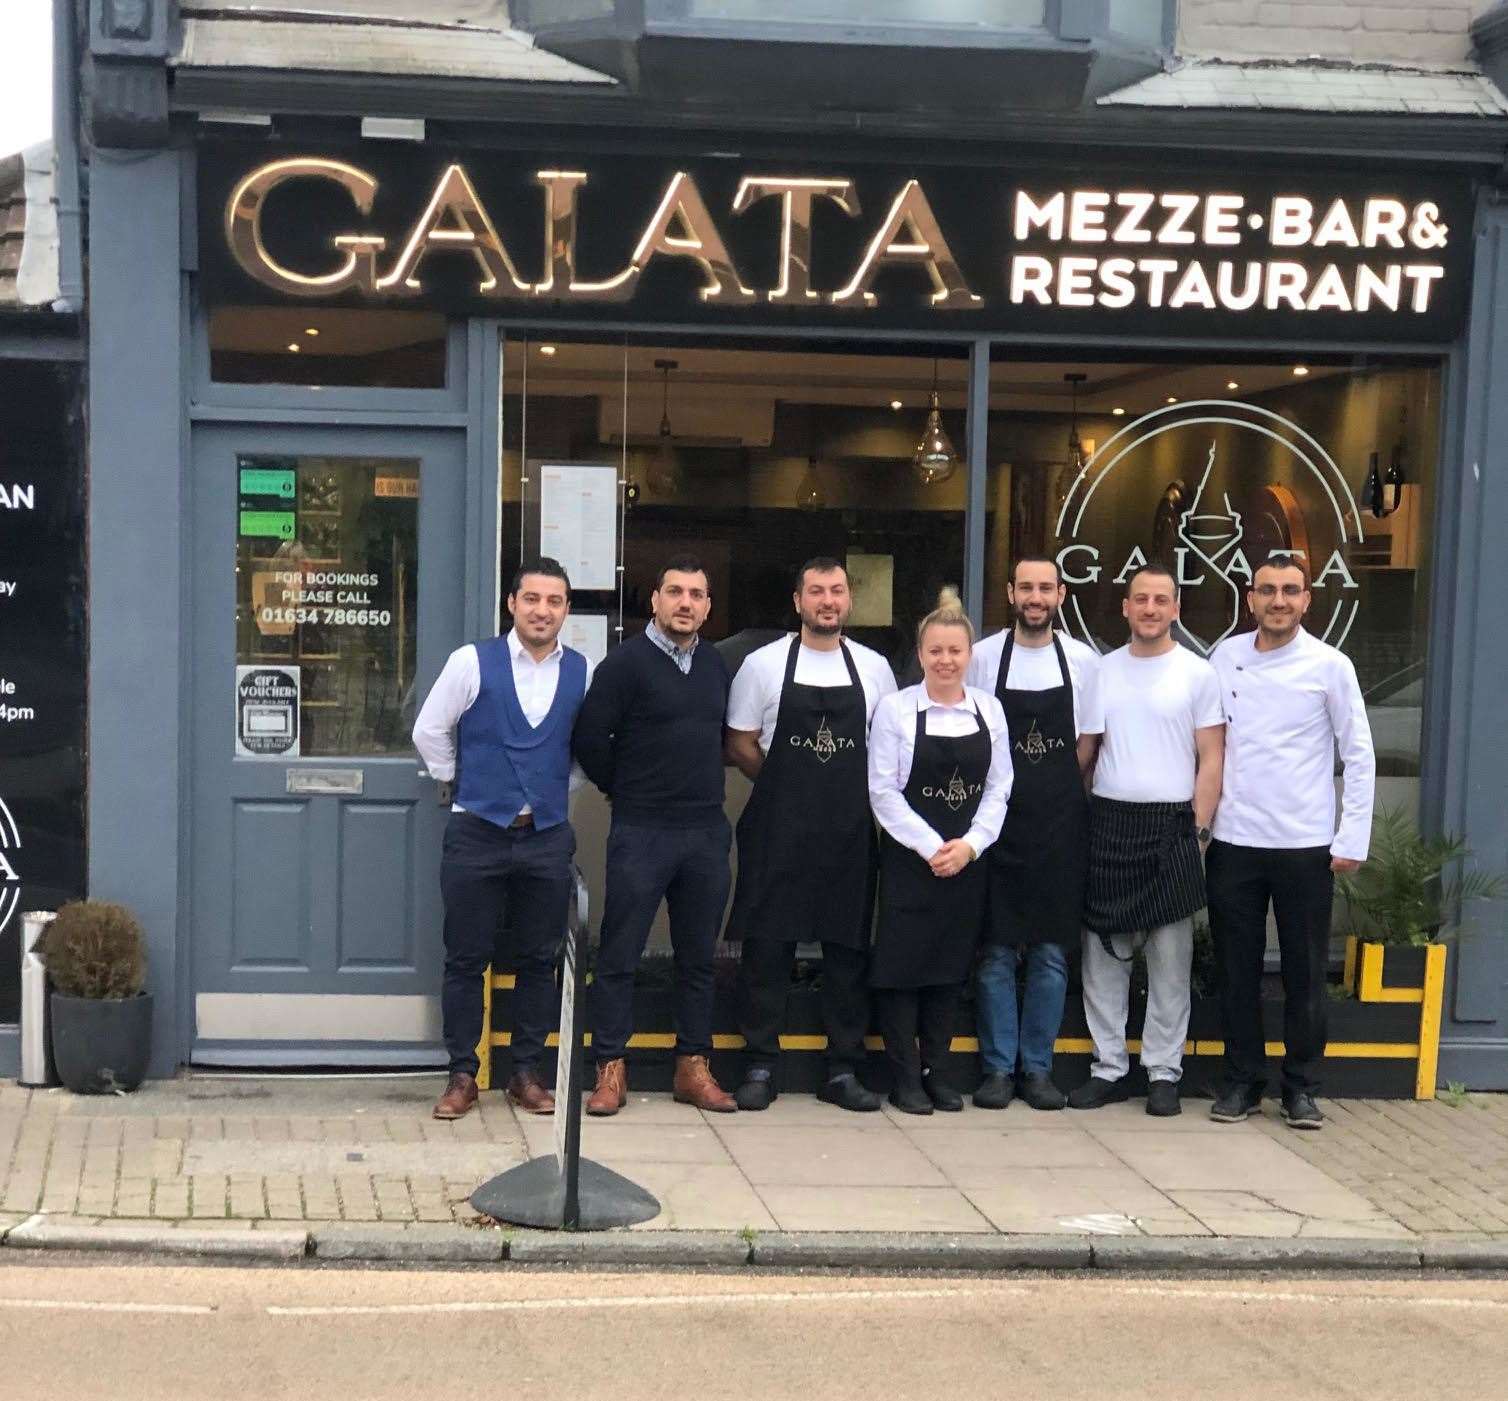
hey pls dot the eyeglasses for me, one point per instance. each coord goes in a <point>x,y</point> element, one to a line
<point>1270,591</point>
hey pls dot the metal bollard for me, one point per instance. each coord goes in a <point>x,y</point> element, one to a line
<point>37,1069</point>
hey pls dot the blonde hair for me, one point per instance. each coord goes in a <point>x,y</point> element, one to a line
<point>948,614</point>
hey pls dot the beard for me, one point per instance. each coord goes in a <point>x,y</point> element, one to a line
<point>820,629</point>
<point>1033,629</point>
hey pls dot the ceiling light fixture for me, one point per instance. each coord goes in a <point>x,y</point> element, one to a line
<point>664,474</point>
<point>1118,411</point>
<point>293,347</point>
<point>1073,464</point>
<point>547,350</point>
<point>311,330</point>
<point>1231,384</point>
<point>1172,398</point>
<point>895,404</point>
<point>934,459</point>
<point>1301,370</point>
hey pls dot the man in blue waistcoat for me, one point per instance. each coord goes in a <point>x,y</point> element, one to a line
<point>498,726</point>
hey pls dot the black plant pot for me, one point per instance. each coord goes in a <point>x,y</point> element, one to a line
<point>101,1044</point>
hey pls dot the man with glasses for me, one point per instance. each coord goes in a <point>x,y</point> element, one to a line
<point>1291,702</point>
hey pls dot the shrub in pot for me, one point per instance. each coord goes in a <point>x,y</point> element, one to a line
<point>101,1019</point>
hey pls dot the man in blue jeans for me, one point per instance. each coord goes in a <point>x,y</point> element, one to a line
<point>1048,685</point>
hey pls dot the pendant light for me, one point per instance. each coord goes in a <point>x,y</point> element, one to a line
<point>1073,464</point>
<point>934,459</point>
<point>664,474</point>
<point>809,493</point>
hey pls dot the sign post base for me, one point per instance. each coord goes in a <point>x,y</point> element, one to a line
<point>534,1194</point>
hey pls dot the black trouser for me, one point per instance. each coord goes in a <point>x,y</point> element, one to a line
<point>908,1014</point>
<point>765,979</point>
<point>1242,881</point>
<point>687,868</point>
<point>486,870</point>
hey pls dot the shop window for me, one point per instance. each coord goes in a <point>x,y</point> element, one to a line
<point>327,347</point>
<point>326,605</point>
<point>1209,468</point>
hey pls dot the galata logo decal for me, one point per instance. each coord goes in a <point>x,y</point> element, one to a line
<point>1211,488</point>
<point>10,877</point>
<point>956,794</point>
<point>825,745</point>
<point>1034,746</point>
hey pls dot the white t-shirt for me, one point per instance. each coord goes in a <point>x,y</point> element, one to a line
<point>754,700</point>
<point>1153,705</point>
<point>1036,669</point>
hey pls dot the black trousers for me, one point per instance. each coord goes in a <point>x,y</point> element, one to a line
<point>906,1015</point>
<point>687,868</point>
<point>487,872</point>
<point>1300,887</point>
<point>765,980</point>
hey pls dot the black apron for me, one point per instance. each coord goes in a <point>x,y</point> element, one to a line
<point>806,847</point>
<point>929,925</point>
<point>1038,867</point>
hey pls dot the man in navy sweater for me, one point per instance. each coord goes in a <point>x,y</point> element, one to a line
<point>649,735</point>
<point>498,723</point>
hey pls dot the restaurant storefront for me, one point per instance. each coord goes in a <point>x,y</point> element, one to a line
<point>339,387</point>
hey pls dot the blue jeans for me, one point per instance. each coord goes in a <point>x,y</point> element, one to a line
<point>1002,1033</point>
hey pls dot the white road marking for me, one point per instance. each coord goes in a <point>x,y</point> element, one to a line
<point>91,1306</point>
<point>637,1301</point>
<point>1260,1296</point>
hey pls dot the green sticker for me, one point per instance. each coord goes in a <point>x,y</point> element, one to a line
<point>263,481</point>
<point>280,525</point>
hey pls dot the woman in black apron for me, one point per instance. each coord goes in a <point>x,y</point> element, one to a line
<point>1036,881</point>
<point>932,908</point>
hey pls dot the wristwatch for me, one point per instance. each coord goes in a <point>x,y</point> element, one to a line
<point>1203,834</point>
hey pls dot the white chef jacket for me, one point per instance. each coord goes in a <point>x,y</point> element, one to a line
<point>892,745</point>
<point>456,690</point>
<point>1287,712</point>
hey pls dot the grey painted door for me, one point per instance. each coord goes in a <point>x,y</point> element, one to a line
<point>328,591</point>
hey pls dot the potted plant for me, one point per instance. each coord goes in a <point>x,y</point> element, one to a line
<point>1407,895</point>
<point>101,1019</point>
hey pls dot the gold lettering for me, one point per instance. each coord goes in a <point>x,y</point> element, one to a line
<point>795,283</point>
<point>243,228</point>
<point>910,234</point>
<point>560,188</point>
<point>469,230</point>
<point>698,239</point>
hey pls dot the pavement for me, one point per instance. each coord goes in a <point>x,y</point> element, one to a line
<point>355,1167</point>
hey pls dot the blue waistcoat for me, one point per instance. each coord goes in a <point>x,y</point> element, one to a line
<point>502,761</point>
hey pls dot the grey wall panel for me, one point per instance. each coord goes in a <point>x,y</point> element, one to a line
<point>270,887</point>
<point>377,915</point>
<point>137,535</point>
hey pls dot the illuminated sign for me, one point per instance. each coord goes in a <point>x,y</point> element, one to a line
<point>720,240</point>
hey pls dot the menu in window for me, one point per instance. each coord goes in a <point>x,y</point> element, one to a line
<point>578,522</point>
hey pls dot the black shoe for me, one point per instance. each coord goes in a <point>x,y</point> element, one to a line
<point>1301,1111</point>
<point>1095,1092</point>
<point>995,1091</point>
<point>1162,1099</point>
<point>942,1094</point>
<point>911,1100</point>
<point>1039,1091</point>
<point>757,1091</point>
<point>1235,1102</point>
<point>847,1093</point>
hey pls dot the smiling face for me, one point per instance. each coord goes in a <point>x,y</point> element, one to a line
<point>1036,593</point>
<point>944,654</point>
<point>1278,599</point>
<point>823,602</point>
<point>681,604</point>
<point>538,608</point>
<point>1150,606</point>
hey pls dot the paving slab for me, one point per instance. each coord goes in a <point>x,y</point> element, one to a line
<point>816,1208</point>
<point>829,1157</point>
<point>974,1159</point>
<point>615,1142</point>
<point>481,1159</point>
<point>344,1241</point>
<point>918,1251</point>
<point>700,1197</point>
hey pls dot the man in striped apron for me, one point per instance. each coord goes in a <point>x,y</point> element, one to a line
<point>1156,785</point>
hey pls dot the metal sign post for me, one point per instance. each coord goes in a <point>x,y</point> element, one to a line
<point>562,1190</point>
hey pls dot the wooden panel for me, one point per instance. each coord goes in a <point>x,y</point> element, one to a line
<point>376,922</point>
<point>270,915</point>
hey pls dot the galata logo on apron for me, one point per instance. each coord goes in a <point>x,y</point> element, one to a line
<point>956,794</point>
<point>1034,746</point>
<point>825,745</point>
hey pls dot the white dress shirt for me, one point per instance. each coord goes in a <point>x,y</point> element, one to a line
<point>456,690</point>
<point>1287,712</point>
<point>892,745</point>
<point>1037,669</point>
<point>754,700</point>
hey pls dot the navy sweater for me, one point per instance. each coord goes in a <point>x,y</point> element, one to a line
<point>652,739</point>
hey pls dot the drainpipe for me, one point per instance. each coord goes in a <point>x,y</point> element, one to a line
<point>65,148</point>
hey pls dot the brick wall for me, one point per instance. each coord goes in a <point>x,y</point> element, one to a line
<point>1413,31</point>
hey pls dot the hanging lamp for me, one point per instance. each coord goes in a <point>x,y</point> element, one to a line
<point>1073,464</point>
<point>664,474</point>
<point>934,459</point>
<point>809,493</point>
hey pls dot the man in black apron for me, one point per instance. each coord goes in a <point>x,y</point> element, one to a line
<point>1046,683</point>
<point>798,722</point>
<point>931,908</point>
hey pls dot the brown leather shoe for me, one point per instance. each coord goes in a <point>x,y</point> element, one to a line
<point>459,1097</point>
<point>611,1093</point>
<point>694,1084</point>
<point>530,1093</point>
